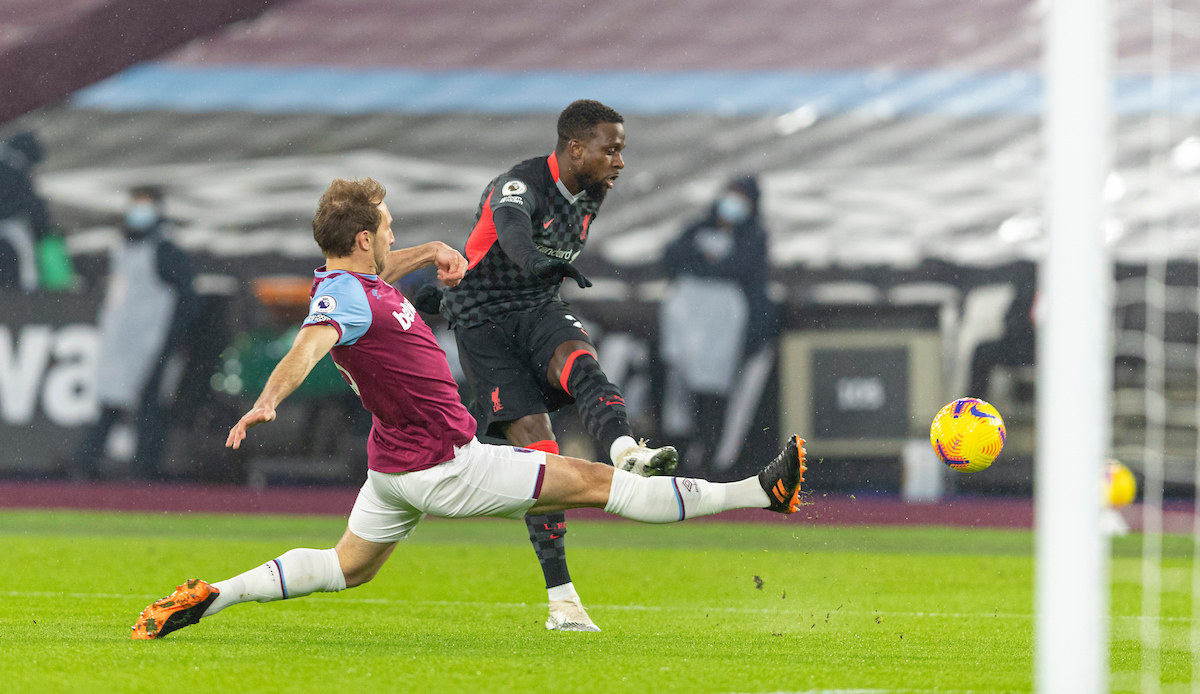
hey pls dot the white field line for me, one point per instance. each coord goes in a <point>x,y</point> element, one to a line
<point>897,691</point>
<point>631,608</point>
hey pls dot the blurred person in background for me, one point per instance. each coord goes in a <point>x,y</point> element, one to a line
<point>148,306</point>
<point>23,217</point>
<point>716,312</point>
<point>1017,346</point>
<point>523,351</point>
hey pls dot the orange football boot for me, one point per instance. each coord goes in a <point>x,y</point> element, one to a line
<point>182,608</point>
<point>782,478</point>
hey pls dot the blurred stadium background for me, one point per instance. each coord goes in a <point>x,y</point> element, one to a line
<point>897,144</point>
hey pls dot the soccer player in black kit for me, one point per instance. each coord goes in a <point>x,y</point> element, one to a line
<point>522,349</point>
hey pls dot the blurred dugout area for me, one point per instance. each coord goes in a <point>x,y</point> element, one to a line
<point>321,428</point>
<point>50,348</point>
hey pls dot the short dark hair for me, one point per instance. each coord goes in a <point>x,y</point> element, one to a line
<point>578,121</point>
<point>346,208</point>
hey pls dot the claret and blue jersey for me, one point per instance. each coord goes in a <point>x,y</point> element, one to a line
<point>389,356</point>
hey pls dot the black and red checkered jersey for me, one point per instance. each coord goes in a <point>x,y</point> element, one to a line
<point>494,284</point>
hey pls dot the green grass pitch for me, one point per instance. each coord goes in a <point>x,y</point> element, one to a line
<point>702,607</point>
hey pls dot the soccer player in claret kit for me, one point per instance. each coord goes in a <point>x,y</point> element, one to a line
<point>521,348</point>
<point>422,456</point>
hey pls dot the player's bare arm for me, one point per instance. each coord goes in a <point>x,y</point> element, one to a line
<point>311,344</point>
<point>450,263</point>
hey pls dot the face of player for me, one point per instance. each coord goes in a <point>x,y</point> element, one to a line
<point>601,161</point>
<point>382,239</point>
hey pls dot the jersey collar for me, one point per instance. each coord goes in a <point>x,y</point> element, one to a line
<point>552,162</point>
<point>322,272</point>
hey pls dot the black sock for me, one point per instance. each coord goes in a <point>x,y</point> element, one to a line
<point>546,533</point>
<point>600,404</point>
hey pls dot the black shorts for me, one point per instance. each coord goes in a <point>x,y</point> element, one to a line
<point>506,362</point>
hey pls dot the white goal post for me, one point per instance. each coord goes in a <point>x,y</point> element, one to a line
<point>1074,355</point>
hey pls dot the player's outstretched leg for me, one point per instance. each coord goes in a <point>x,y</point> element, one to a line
<point>671,499</point>
<point>296,573</point>
<point>602,409</point>
<point>574,483</point>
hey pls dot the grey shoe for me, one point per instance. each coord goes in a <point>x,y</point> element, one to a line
<point>648,462</point>
<point>569,615</point>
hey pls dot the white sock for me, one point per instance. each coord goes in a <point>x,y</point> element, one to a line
<point>619,446</point>
<point>672,499</point>
<point>564,592</point>
<point>747,493</point>
<point>298,572</point>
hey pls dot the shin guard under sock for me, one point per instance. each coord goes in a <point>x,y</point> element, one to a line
<point>672,499</point>
<point>546,533</point>
<point>297,572</point>
<point>600,404</point>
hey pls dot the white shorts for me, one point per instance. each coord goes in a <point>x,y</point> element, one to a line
<point>481,480</point>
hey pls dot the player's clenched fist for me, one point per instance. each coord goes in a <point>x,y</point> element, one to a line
<point>450,264</point>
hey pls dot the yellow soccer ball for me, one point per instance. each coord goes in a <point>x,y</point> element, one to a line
<point>967,434</point>
<point>1120,486</point>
